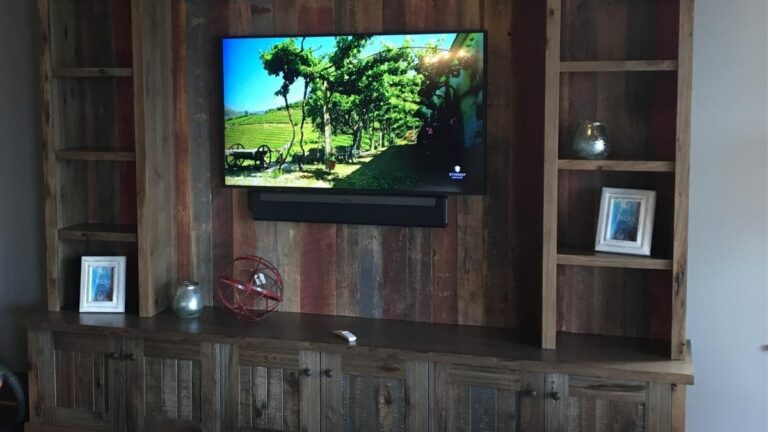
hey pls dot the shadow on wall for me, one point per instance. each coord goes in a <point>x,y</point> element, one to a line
<point>21,249</point>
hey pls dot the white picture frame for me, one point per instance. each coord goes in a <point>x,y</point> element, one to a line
<point>625,224</point>
<point>102,284</point>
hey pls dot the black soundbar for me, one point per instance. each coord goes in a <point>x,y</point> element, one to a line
<point>428,211</point>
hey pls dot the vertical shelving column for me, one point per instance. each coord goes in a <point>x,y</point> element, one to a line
<point>107,150</point>
<point>625,63</point>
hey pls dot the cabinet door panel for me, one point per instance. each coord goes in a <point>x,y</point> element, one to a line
<point>274,394</point>
<point>171,380</point>
<point>596,404</point>
<point>484,399</point>
<point>85,376</point>
<point>367,393</point>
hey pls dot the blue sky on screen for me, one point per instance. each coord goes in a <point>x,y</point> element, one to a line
<point>248,87</point>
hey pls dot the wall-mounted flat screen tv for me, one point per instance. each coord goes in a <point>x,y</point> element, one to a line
<point>374,113</point>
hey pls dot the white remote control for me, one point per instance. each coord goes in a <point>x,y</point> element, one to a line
<point>346,335</point>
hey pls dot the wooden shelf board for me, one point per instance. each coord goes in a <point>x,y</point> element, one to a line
<point>113,72</point>
<point>99,232</point>
<point>600,259</point>
<point>607,356</point>
<point>619,66</point>
<point>96,154</point>
<point>616,165</point>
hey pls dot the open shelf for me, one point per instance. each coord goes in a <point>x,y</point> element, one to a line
<point>96,154</point>
<point>619,66</point>
<point>87,72</point>
<point>576,257</point>
<point>99,232</point>
<point>615,165</point>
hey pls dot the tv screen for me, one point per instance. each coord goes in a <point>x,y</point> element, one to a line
<point>373,113</point>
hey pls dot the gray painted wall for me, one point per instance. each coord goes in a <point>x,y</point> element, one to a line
<point>728,262</point>
<point>728,268</point>
<point>21,261</point>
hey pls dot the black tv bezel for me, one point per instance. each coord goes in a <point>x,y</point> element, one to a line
<point>393,192</point>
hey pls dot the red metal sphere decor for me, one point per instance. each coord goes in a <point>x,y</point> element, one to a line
<point>254,290</point>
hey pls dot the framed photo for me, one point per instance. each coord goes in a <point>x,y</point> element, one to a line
<point>102,284</point>
<point>626,221</point>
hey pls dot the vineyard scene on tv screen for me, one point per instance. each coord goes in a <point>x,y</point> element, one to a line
<point>359,112</point>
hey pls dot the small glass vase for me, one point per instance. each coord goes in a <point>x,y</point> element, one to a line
<point>591,141</point>
<point>188,301</point>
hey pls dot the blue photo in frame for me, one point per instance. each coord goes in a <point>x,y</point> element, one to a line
<point>102,284</point>
<point>625,224</point>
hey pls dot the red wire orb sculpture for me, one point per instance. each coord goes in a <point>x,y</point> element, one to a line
<point>254,290</point>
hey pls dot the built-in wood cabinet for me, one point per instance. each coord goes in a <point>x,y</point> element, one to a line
<point>627,64</point>
<point>107,148</point>
<point>290,373</point>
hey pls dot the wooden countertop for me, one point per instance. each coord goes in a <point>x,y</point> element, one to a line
<point>592,355</point>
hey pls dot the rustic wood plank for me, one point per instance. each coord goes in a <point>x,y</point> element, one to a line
<point>501,301</point>
<point>291,401</point>
<point>460,410</point>
<point>618,66</point>
<point>55,296</point>
<point>439,395</point>
<point>84,381</point>
<point>347,272</point>
<point>444,269</point>
<point>597,259</point>
<point>169,389</point>
<point>363,410</point>
<point>615,165</point>
<point>678,408</point>
<point>556,405</point>
<point>419,270</point>
<point>100,385</point>
<point>310,409</point>
<point>471,256</point>
<point>186,393</point>
<point>275,399</point>
<point>370,271</point>
<point>658,407</point>
<point>153,108</point>
<point>289,242</point>
<point>99,232</point>
<point>318,268</point>
<point>331,397</point>
<point>153,368</point>
<point>195,25</point>
<point>183,179</point>
<point>96,154</point>
<point>682,168</point>
<point>601,388</point>
<point>417,395</point>
<point>532,404</point>
<point>394,244</point>
<point>551,143</point>
<point>482,409</point>
<point>506,410</point>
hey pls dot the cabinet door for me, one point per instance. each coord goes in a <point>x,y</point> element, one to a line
<point>482,399</point>
<point>169,385</point>
<point>367,393</point>
<point>76,380</point>
<point>275,390</point>
<point>597,404</point>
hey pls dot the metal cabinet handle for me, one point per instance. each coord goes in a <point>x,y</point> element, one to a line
<point>307,372</point>
<point>555,396</point>
<point>328,373</point>
<point>129,356</point>
<point>530,393</point>
<point>113,356</point>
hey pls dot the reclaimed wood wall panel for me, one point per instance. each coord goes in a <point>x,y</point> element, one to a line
<point>470,272</point>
